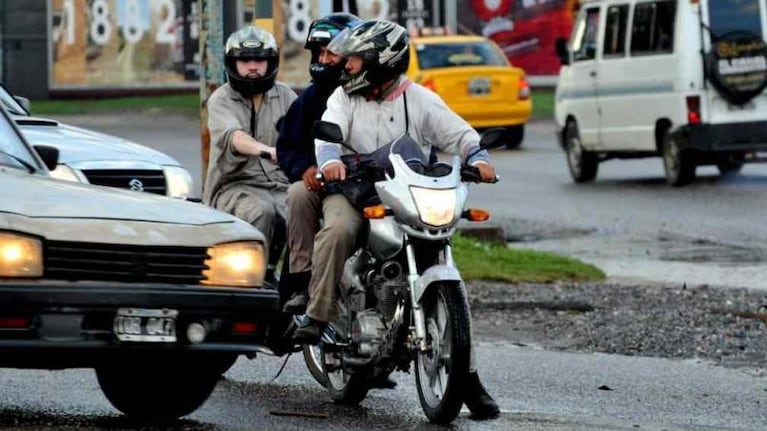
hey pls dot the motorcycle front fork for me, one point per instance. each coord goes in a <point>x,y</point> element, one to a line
<point>418,317</point>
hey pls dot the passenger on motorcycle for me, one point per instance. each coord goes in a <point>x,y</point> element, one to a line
<point>375,104</point>
<point>295,153</point>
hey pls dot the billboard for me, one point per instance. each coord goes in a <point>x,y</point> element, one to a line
<point>526,30</point>
<point>123,44</point>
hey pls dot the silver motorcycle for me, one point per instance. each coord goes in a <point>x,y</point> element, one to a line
<point>401,297</point>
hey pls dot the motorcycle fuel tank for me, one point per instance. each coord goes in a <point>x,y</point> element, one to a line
<point>386,238</point>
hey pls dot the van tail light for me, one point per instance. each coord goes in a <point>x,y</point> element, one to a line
<point>524,88</point>
<point>430,84</point>
<point>693,109</point>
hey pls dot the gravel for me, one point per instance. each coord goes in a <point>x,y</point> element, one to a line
<point>722,325</point>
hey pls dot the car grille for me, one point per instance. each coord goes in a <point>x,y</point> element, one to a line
<point>115,262</point>
<point>151,181</point>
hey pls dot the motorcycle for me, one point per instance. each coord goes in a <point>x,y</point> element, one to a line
<point>401,297</point>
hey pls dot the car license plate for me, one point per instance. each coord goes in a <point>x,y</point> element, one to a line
<point>479,86</point>
<point>145,325</point>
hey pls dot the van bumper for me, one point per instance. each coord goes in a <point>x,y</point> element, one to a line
<point>750,136</point>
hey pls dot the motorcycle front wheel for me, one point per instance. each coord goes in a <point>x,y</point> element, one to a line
<point>441,371</point>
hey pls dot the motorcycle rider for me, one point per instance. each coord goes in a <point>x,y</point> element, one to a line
<point>375,104</point>
<point>242,115</point>
<point>295,153</point>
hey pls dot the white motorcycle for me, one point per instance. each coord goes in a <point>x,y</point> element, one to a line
<point>401,296</point>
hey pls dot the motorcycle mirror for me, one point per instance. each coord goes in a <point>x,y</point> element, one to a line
<point>493,138</point>
<point>327,131</point>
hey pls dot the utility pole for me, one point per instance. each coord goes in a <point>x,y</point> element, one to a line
<point>212,70</point>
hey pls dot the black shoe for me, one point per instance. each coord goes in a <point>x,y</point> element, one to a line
<point>479,402</point>
<point>296,304</point>
<point>309,331</point>
<point>383,381</point>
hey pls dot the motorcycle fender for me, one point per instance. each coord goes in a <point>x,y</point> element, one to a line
<point>435,274</point>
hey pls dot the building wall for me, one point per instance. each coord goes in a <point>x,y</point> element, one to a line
<point>24,47</point>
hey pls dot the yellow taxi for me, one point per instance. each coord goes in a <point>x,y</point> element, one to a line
<point>474,77</point>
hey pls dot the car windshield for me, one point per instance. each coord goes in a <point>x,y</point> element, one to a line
<point>435,55</point>
<point>726,16</point>
<point>13,151</point>
<point>10,103</point>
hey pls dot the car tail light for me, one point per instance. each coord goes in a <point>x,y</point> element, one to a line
<point>524,88</point>
<point>693,109</point>
<point>430,84</point>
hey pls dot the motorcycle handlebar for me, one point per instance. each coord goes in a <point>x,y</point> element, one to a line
<point>469,174</point>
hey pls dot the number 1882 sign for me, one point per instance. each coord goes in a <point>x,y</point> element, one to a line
<point>123,43</point>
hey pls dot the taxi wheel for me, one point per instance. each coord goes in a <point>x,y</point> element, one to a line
<point>157,390</point>
<point>514,136</point>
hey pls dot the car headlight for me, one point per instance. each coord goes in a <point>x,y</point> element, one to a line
<point>20,255</point>
<point>179,181</point>
<point>241,264</point>
<point>435,207</point>
<point>64,172</point>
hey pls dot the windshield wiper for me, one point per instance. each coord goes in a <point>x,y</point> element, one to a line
<point>20,161</point>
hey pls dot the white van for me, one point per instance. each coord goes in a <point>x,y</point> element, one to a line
<point>681,79</point>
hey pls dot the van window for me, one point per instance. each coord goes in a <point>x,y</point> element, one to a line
<point>615,31</point>
<point>730,15</point>
<point>652,31</point>
<point>585,41</point>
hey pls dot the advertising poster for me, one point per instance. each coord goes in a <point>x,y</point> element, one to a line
<point>526,30</point>
<point>123,43</point>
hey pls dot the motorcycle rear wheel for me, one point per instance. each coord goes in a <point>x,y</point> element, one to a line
<point>442,371</point>
<point>344,387</point>
<point>313,361</point>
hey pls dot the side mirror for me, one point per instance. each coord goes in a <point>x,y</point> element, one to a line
<point>562,53</point>
<point>493,138</point>
<point>24,102</point>
<point>50,155</point>
<point>327,131</point>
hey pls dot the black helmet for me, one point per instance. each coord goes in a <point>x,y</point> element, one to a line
<point>383,46</point>
<point>251,43</point>
<point>321,32</point>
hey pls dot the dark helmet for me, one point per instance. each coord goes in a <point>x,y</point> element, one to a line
<point>251,43</point>
<point>383,46</point>
<point>321,32</point>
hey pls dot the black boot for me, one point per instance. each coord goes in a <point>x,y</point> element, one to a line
<point>294,288</point>
<point>309,331</point>
<point>479,402</point>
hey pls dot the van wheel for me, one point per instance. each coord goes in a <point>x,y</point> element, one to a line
<point>583,164</point>
<point>514,136</point>
<point>678,164</point>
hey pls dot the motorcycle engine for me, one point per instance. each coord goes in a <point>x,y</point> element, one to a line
<point>368,330</point>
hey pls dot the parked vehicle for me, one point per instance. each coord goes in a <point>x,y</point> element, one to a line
<point>401,297</point>
<point>679,79</point>
<point>157,295</point>
<point>473,76</point>
<point>92,157</point>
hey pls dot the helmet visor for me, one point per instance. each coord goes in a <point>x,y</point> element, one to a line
<point>342,43</point>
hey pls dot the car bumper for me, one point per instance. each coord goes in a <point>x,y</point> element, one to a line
<point>494,114</point>
<point>751,136</point>
<point>71,324</point>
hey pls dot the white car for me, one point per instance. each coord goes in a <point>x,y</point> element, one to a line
<point>92,157</point>
<point>158,295</point>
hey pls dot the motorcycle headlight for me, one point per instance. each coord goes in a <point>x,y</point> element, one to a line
<point>240,264</point>
<point>435,207</point>
<point>179,181</point>
<point>64,172</point>
<point>20,255</point>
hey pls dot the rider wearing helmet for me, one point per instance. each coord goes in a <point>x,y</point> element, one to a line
<point>243,177</point>
<point>374,105</point>
<point>295,151</point>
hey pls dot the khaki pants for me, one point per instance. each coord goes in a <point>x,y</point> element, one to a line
<point>332,246</point>
<point>304,209</point>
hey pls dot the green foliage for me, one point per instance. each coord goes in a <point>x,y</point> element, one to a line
<point>543,104</point>
<point>479,260</point>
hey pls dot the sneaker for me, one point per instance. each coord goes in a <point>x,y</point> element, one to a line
<point>309,331</point>
<point>479,402</point>
<point>296,304</point>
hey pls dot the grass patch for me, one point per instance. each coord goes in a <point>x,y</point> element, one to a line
<point>187,104</point>
<point>543,104</point>
<point>480,260</point>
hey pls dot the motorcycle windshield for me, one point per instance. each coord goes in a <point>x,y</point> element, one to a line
<point>407,148</point>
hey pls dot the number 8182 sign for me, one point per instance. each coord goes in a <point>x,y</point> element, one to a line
<point>121,43</point>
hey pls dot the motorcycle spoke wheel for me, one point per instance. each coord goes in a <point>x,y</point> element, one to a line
<point>442,370</point>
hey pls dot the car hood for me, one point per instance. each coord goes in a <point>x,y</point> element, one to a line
<point>69,211</point>
<point>77,145</point>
